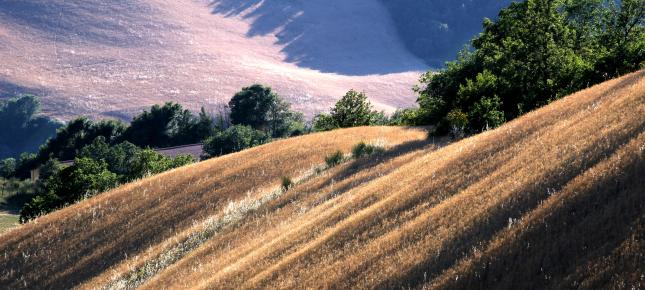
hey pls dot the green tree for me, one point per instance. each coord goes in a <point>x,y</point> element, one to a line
<point>159,126</point>
<point>535,52</point>
<point>234,139</point>
<point>7,167</point>
<point>251,106</point>
<point>75,135</point>
<point>262,109</point>
<point>352,110</point>
<point>85,178</point>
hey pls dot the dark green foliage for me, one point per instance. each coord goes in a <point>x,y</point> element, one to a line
<point>352,110</point>
<point>404,117</point>
<point>334,159</point>
<point>287,183</point>
<point>75,135</point>
<point>537,51</point>
<point>25,163</point>
<point>85,178</point>
<point>262,109</point>
<point>363,149</point>
<point>7,167</point>
<point>130,162</point>
<point>234,139</point>
<point>99,167</point>
<point>22,130</point>
<point>168,125</point>
<point>147,162</point>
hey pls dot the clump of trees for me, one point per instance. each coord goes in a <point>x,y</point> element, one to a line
<point>535,52</point>
<point>23,130</point>
<point>352,110</point>
<point>168,125</point>
<point>258,114</point>
<point>107,153</point>
<point>262,109</point>
<point>98,168</point>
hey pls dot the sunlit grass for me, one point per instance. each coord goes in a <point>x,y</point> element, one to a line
<point>553,199</point>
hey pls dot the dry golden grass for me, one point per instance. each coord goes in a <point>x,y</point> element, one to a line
<point>554,199</point>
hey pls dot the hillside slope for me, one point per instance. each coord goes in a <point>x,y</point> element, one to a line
<point>112,58</point>
<point>554,199</point>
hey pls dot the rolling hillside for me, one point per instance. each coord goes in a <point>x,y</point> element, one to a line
<point>113,58</point>
<point>554,199</point>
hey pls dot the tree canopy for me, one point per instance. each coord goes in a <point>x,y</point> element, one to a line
<point>352,110</point>
<point>168,125</point>
<point>262,109</point>
<point>535,52</point>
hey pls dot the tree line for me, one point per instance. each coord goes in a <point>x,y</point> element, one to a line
<point>107,153</point>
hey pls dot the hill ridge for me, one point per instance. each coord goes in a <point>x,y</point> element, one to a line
<point>554,196</point>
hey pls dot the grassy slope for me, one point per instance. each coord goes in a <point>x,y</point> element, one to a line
<point>554,199</point>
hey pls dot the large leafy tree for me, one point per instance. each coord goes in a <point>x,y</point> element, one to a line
<point>535,52</point>
<point>262,109</point>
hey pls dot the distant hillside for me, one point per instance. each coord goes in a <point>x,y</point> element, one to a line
<point>554,199</point>
<point>112,58</point>
<point>435,30</point>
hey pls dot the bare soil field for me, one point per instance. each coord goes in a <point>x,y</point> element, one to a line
<point>113,58</point>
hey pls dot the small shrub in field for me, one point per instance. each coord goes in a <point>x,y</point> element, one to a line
<point>362,149</point>
<point>286,183</point>
<point>334,158</point>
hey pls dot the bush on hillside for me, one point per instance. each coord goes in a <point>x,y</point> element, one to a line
<point>287,183</point>
<point>7,167</point>
<point>233,139</point>
<point>363,149</point>
<point>168,125</point>
<point>334,159</point>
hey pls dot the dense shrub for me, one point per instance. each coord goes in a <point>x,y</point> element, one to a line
<point>7,167</point>
<point>363,149</point>
<point>168,125</point>
<point>334,159</point>
<point>286,183</point>
<point>99,167</point>
<point>233,139</point>
<point>75,135</point>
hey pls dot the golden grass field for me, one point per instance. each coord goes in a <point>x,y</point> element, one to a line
<point>554,199</point>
